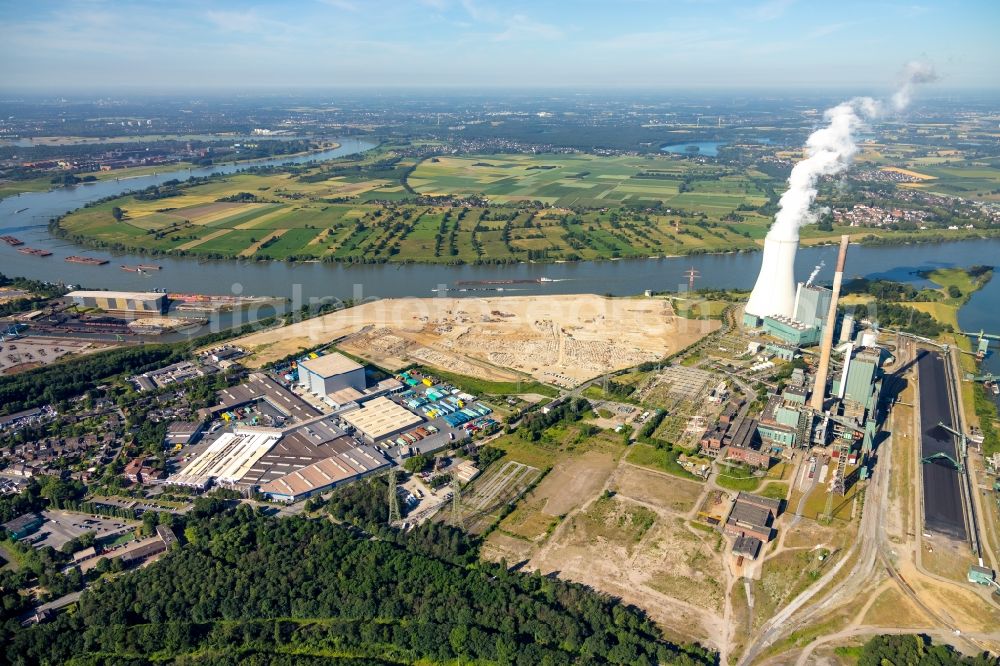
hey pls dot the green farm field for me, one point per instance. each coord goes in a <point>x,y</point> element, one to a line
<point>468,209</point>
<point>588,181</point>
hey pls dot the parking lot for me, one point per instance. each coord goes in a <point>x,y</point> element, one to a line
<point>37,350</point>
<point>424,501</point>
<point>61,526</point>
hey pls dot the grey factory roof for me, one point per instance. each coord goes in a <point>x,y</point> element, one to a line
<point>299,448</point>
<point>356,461</point>
<point>21,522</point>
<point>773,505</point>
<point>260,386</point>
<point>748,546</point>
<point>743,437</point>
<point>748,514</point>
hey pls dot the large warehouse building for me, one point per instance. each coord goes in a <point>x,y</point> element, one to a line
<point>228,459</point>
<point>120,301</point>
<point>349,463</point>
<point>381,418</point>
<point>327,374</point>
<point>286,464</point>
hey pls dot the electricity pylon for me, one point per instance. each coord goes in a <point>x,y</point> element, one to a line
<point>394,516</point>
<point>456,503</point>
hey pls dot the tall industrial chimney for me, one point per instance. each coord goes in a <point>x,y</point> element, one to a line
<point>774,292</point>
<point>819,387</point>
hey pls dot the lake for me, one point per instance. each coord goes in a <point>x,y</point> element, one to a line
<point>709,148</point>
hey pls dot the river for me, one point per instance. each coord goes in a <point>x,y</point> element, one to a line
<point>303,281</point>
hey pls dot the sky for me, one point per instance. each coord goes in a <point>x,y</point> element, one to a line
<point>647,44</point>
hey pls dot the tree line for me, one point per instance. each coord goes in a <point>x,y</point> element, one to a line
<point>64,380</point>
<point>249,585</point>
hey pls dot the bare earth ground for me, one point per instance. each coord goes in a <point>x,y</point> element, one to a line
<point>666,570</point>
<point>650,487</point>
<point>572,482</point>
<point>561,340</point>
<point>634,542</point>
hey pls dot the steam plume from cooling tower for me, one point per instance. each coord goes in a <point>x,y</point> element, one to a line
<point>829,151</point>
<point>914,73</point>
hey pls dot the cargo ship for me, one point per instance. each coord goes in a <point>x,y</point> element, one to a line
<point>469,283</point>
<point>36,253</point>
<point>150,267</point>
<point>210,303</point>
<point>10,240</point>
<point>90,261</point>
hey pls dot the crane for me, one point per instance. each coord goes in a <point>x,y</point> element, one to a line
<point>963,448</point>
<point>988,378</point>
<point>982,340</point>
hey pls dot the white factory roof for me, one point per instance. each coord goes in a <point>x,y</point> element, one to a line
<point>330,365</point>
<point>142,295</point>
<point>227,459</point>
<point>381,417</point>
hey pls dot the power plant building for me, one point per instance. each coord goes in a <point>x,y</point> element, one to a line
<point>120,301</point>
<point>791,331</point>
<point>811,304</point>
<point>861,385</point>
<point>805,328</point>
<point>330,373</point>
<point>846,328</point>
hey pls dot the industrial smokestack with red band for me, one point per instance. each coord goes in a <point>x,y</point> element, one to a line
<point>819,387</point>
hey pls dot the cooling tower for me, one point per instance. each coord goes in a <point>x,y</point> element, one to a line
<point>774,293</point>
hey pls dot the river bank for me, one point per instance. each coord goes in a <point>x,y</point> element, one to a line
<point>14,188</point>
<point>863,238</point>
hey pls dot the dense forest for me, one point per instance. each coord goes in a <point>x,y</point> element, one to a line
<point>61,381</point>
<point>246,588</point>
<point>902,317</point>
<point>910,650</point>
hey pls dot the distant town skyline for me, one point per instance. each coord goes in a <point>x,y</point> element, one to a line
<point>97,44</point>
